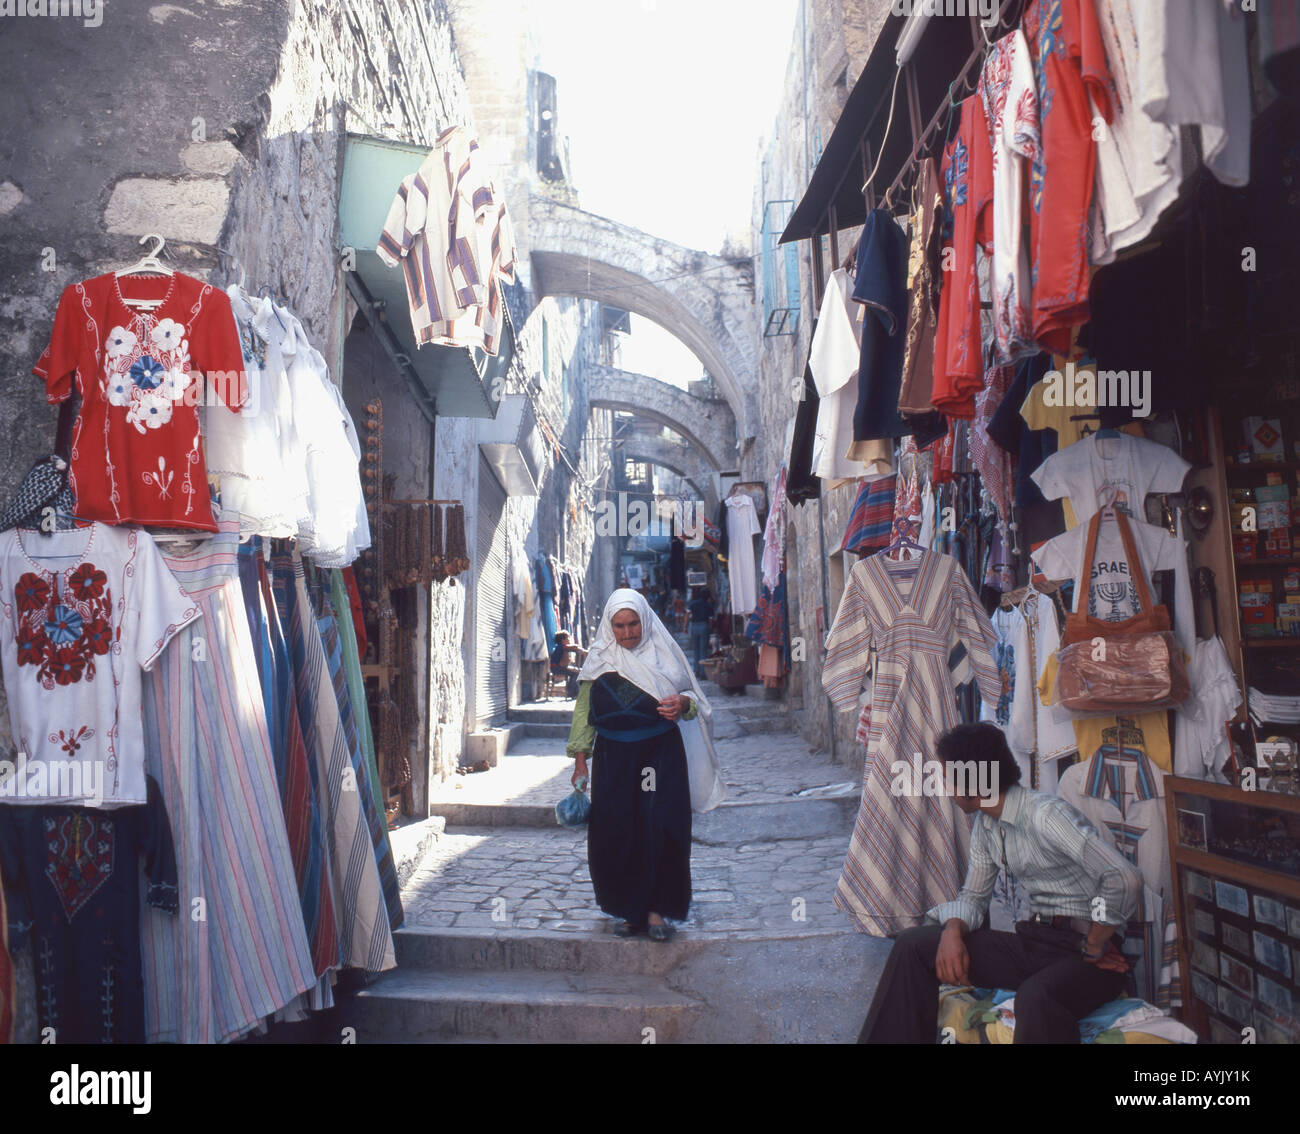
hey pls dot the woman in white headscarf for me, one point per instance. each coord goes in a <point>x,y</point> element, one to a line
<point>644,721</point>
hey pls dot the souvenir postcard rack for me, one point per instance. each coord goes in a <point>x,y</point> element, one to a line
<point>1235,859</point>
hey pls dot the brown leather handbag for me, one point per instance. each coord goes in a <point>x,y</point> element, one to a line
<point>1134,665</point>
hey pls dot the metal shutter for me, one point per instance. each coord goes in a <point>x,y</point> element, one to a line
<point>491,698</point>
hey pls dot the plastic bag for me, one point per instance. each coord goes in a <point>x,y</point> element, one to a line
<point>573,809</point>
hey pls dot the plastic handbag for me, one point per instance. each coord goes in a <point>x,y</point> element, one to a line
<point>1134,665</point>
<point>573,809</point>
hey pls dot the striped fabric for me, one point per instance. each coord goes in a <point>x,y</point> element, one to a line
<point>449,229</point>
<point>238,951</point>
<point>294,770</point>
<point>873,513</point>
<point>365,778</point>
<point>908,852</point>
<point>343,613</point>
<point>366,941</point>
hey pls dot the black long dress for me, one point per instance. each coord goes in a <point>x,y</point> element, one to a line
<point>639,828</point>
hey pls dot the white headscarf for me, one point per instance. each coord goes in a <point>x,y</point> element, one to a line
<point>658,665</point>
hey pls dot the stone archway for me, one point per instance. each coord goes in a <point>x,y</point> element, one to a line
<point>678,458</point>
<point>708,426</point>
<point>705,300</point>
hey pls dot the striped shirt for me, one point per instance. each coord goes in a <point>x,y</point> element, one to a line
<point>449,230</point>
<point>1057,856</point>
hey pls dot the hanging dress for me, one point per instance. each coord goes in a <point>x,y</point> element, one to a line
<point>295,771</point>
<point>908,852</point>
<point>365,937</point>
<point>240,950</point>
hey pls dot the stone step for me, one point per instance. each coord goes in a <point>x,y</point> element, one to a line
<point>539,950</point>
<point>555,729</point>
<point>414,1006</point>
<point>532,986</point>
<point>558,712</point>
<point>728,823</point>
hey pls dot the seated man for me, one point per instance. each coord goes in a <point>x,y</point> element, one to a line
<point>561,661</point>
<point>1064,961</point>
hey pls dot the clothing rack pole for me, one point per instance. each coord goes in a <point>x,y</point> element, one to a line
<point>975,57</point>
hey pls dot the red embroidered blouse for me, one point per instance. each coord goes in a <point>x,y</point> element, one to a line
<point>137,457</point>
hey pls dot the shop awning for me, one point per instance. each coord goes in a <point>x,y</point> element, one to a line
<point>834,197</point>
<point>450,381</point>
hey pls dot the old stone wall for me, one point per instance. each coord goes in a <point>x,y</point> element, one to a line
<point>220,125</point>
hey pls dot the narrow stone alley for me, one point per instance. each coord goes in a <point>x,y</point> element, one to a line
<point>504,941</point>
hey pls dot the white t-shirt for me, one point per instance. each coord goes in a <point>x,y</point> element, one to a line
<point>1139,160</point>
<point>1120,470</point>
<point>1112,593</point>
<point>1194,71</point>
<point>82,612</point>
<point>834,358</point>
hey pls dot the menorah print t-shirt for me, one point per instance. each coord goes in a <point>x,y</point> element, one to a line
<point>1112,592</point>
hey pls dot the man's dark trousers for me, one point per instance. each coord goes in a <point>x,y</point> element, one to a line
<point>1055,987</point>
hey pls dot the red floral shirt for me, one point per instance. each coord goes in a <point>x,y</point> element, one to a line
<point>137,456</point>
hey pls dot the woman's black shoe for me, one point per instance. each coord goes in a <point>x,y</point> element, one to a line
<point>663,932</point>
<point>626,929</point>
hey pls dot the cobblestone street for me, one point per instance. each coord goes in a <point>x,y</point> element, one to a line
<point>540,874</point>
<point>503,938</point>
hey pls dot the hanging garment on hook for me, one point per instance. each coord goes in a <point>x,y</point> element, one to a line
<point>138,450</point>
<point>968,190</point>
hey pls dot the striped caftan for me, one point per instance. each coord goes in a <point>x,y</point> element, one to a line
<point>908,852</point>
<point>238,949</point>
<point>365,939</point>
<point>294,770</point>
<point>366,776</point>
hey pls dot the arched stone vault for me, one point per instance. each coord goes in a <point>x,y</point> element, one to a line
<point>705,300</point>
<point>707,425</point>
<point>678,458</point>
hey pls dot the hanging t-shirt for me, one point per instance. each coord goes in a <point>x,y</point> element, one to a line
<point>1112,593</point>
<point>82,612</point>
<point>1072,423</point>
<point>1139,160</point>
<point>136,450</point>
<point>967,172</point>
<point>1101,470</point>
<point>742,525</point>
<point>1011,108</point>
<point>834,359</point>
<point>880,285</point>
<point>1071,77</point>
<point>1195,71</point>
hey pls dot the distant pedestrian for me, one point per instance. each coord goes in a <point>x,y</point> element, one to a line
<point>635,688</point>
<point>562,661</point>
<point>701,609</point>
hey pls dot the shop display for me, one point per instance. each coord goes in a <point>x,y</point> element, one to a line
<point>1236,860</point>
